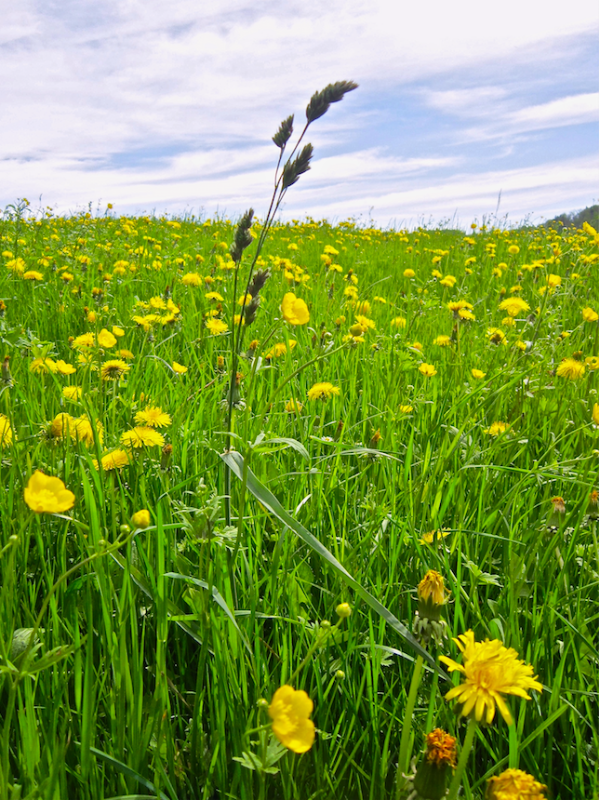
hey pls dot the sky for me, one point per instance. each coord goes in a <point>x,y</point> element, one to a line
<point>465,111</point>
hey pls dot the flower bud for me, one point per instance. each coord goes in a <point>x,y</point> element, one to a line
<point>343,610</point>
<point>141,519</point>
<point>436,766</point>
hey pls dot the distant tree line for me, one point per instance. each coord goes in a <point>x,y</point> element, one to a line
<point>576,219</point>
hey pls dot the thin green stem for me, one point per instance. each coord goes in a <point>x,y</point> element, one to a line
<point>466,748</point>
<point>406,730</point>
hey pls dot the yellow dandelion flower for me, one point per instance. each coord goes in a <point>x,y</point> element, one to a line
<point>245,300</point>
<point>406,409</point>
<point>142,437</point>
<point>192,279</point>
<point>431,589</point>
<point>427,370</point>
<point>85,340</point>
<point>570,368</point>
<point>40,365</point>
<point>514,784</point>
<point>116,459</point>
<point>82,430</point>
<point>365,323</point>
<point>496,336</point>
<point>117,331</point>
<point>442,341</point>
<point>514,306</point>
<point>114,369</point>
<point>32,275</point>
<point>491,671</point>
<point>290,711</point>
<point>497,428</point>
<point>464,313</point>
<point>448,281</point>
<point>216,326</point>
<point>409,273</point>
<point>323,391</point>
<point>214,296</point>
<point>553,281</point>
<point>295,311</point>
<point>153,417</point>
<point>47,495</point>
<point>513,249</point>
<point>595,414</point>
<point>5,432</point>
<point>293,406</point>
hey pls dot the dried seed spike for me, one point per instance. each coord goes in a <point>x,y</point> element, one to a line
<point>333,93</point>
<point>282,136</point>
<point>293,169</point>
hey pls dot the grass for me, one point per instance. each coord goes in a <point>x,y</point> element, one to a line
<point>151,648</point>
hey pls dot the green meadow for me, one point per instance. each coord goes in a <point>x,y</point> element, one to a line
<point>378,405</point>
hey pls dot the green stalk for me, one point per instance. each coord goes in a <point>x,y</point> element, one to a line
<point>466,748</point>
<point>406,730</point>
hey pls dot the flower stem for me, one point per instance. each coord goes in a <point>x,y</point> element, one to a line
<point>466,747</point>
<point>406,730</point>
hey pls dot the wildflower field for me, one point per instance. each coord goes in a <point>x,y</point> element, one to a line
<point>240,528</point>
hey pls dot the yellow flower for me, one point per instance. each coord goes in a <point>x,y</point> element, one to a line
<point>116,459</point>
<point>42,365</point>
<point>153,417</point>
<point>431,589</point>
<point>589,315</point>
<point>44,494</point>
<point>514,784</point>
<point>32,275</point>
<point>142,437</point>
<point>295,311</point>
<point>290,711</point>
<point>491,671</point>
<point>81,430</point>
<point>191,279</point>
<point>5,432</point>
<point>434,536</point>
<point>72,392</point>
<point>245,300</point>
<point>596,414</point>
<point>214,296</point>
<point>363,307</point>
<point>118,331</point>
<point>478,374</point>
<point>365,323</point>
<point>463,313</point>
<point>61,425</point>
<point>115,369</point>
<point>398,322</point>
<point>408,273</point>
<point>85,340</point>
<point>63,368</point>
<point>449,281</point>
<point>427,370</point>
<point>323,391</point>
<point>496,336</point>
<point>293,406</point>
<point>553,281</point>
<point>141,519</point>
<point>514,306</point>
<point>442,341</point>
<point>592,363</point>
<point>406,409</point>
<point>513,249</point>
<point>216,326</point>
<point>179,368</point>
<point>570,368</point>
<point>497,428</point>
<point>106,339</point>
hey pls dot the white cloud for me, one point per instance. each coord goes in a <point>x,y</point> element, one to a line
<point>572,110</point>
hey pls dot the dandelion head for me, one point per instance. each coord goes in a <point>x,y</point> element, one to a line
<point>514,784</point>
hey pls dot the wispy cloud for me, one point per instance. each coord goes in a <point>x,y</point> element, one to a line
<point>154,104</point>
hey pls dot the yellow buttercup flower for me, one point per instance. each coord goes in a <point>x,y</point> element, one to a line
<point>596,414</point>
<point>106,339</point>
<point>427,370</point>
<point>491,671</point>
<point>478,374</point>
<point>514,784</point>
<point>179,368</point>
<point>589,315</point>
<point>290,711</point>
<point>295,311</point>
<point>46,495</point>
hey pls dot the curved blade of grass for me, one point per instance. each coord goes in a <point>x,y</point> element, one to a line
<point>130,773</point>
<point>234,461</point>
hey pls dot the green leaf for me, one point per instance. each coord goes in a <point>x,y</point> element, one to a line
<point>130,773</point>
<point>235,462</point>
